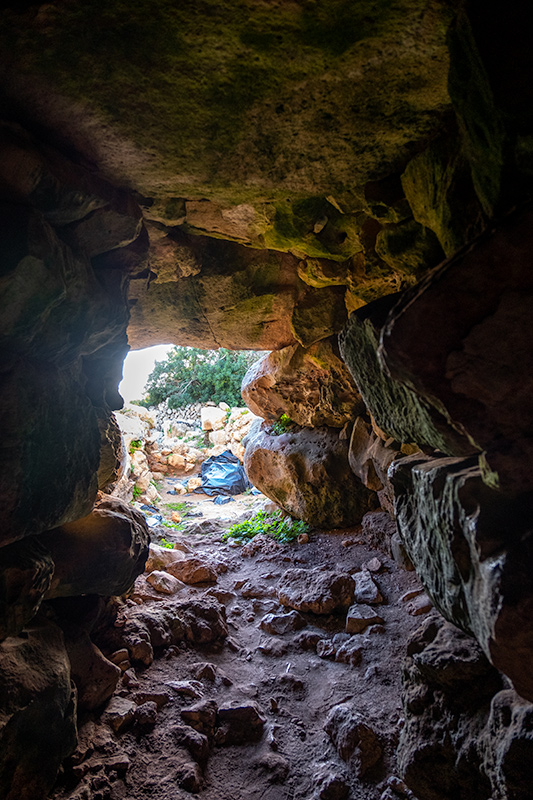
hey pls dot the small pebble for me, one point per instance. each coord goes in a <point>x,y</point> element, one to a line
<point>420,605</point>
<point>325,649</point>
<point>203,670</point>
<point>129,678</point>
<point>410,595</point>
<point>398,786</point>
<point>119,656</point>
<point>371,672</point>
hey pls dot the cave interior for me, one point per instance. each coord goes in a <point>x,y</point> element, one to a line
<point>345,184</point>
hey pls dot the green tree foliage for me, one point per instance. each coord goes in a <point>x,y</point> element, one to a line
<point>189,375</point>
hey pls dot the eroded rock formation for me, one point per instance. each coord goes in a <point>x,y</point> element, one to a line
<point>310,385</point>
<point>307,473</point>
<point>466,734</point>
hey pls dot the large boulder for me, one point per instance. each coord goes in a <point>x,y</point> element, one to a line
<point>37,712</point>
<point>472,548</point>
<point>308,475</point>
<point>471,367</point>
<point>317,592</point>
<point>101,553</point>
<point>311,386</point>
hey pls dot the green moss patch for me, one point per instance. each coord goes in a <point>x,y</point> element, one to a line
<point>230,96</point>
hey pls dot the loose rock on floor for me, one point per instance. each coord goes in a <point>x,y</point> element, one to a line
<point>237,686</point>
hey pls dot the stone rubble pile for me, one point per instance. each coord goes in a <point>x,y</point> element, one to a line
<point>158,444</point>
<point>166,417</point>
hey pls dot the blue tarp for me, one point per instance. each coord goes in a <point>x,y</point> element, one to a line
<point>223,474</point>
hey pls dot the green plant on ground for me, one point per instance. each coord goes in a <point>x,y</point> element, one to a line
<point>163,543</point>
<point>135,444</point>
<point>136,493</point>
<point>158,485</point>
<point>176,526</point>
<point>282,425</point>
<point>282,529</point>
<point>199,440</point>
<point>182,508</point>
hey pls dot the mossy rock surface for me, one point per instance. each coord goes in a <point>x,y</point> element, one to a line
<point>238,100</point>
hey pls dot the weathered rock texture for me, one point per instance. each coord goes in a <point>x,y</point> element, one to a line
<point>94,676</point>
<point>38,717</point>
<point>471,367</point>
<point>399,411</point>
<point>465,736</point>
<point>141,630</point>
<point>62,334</point>
<point>319,593</point>
<point>472,548</point>
<point>354,739</point>
<point>99,554</point>
<point>307,473</point>
<point>26,570</point>
<point>62,337</point>
<point>249,182</point>
<point>239,298</point>
<point>255,137</point>
<point>311,386</point>
<point>370,457</point>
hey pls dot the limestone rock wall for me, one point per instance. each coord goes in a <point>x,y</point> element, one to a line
<point>471,367</point>
<point>63,339</point>
<point>63,333</point>
<point>472,546</point>
<point>466,734</point>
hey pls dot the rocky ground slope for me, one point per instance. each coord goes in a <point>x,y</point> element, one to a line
<point>258,671</point>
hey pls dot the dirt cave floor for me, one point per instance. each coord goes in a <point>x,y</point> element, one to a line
<point>291,679</point>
